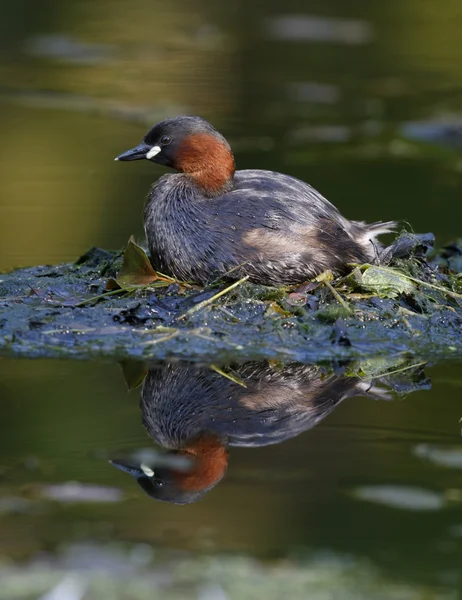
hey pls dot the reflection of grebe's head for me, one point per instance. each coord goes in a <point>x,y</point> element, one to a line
<point>210,459</point>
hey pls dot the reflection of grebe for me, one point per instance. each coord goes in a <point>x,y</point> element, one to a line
<point>195,412</point>
<point>210,219</point>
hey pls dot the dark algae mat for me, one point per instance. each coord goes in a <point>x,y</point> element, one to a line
<point>113,305</point>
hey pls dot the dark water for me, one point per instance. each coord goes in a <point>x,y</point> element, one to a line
<point>361,99</point>
<point>311,467</point>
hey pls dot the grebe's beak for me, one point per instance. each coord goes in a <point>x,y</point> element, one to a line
<point>143,150</point>
<point>135,471</point>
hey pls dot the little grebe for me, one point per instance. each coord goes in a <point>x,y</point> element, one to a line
<point>210,220</point>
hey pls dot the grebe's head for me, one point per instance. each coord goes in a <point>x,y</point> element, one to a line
<point>190,145</point>
<point>209,459</point>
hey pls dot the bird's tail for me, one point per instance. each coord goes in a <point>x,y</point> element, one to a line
<point>371,390</point>
<point>365,235</point>
<point>368,232</point>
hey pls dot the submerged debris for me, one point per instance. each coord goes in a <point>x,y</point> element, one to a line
<point>112,305</point>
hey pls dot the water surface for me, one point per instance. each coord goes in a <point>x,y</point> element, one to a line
<point>369,478</point>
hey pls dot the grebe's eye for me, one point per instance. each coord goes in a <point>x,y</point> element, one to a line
<point>158,483</point>
<point>165,140</point>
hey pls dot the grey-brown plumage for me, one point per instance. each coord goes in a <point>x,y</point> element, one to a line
<point>179,402</point>
<point>210,219</point>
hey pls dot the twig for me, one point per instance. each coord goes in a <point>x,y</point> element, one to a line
<point>205,303</point>
<point>337,296</point>
<point>165,338</point>
<point>414,366</point>
<point>209,338</point>
<point>408,325</point>
<point>224,275</point>
<point>95,298</point>
<point>158,329</point>
<point>229,376</point>
<point>433,286</point>
<point>169,279</point>
<point>387,373</point>
<point>228,313</point>
<point>158,283</point>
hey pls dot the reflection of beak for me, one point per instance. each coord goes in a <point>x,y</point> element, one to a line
<point>138,152</point>
<point>141,471</point>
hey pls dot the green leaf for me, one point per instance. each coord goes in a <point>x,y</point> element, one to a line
<point>134,372</point>
<point>386,282</point>
<point>112,285</point>
<point>136,268</point>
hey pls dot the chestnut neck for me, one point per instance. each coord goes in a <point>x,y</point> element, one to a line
<point>208,161</point>
<point>210,461</point>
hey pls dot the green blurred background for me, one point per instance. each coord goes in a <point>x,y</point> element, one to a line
<point>326,90</point>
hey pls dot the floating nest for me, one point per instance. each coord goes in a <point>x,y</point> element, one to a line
<point>114,305</point>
